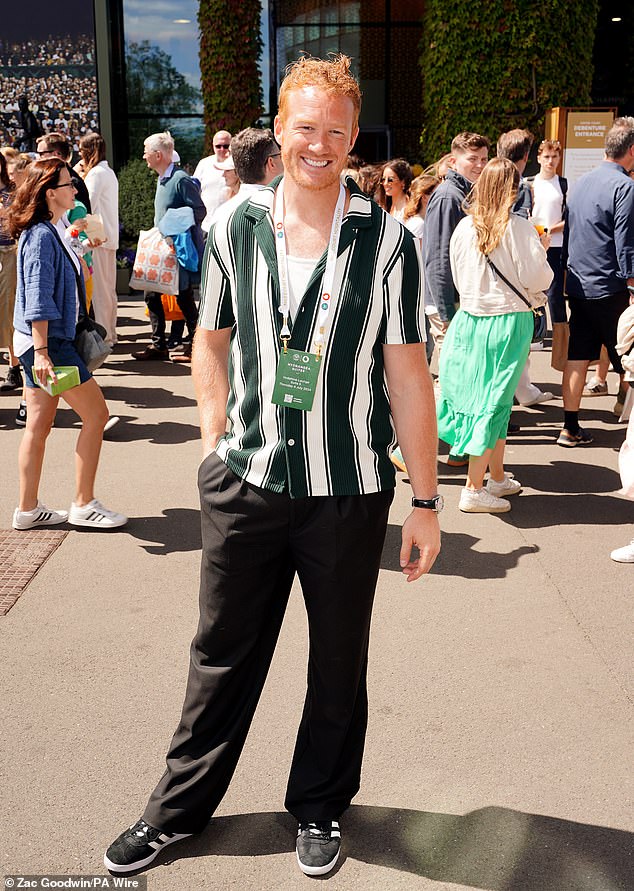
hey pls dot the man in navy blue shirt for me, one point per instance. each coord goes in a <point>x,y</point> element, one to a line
<point>599,237</point>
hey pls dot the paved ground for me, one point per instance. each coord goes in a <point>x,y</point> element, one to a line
<point>499,751</point>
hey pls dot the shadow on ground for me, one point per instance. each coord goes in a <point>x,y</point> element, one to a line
<point>493,848</point>
<point>177,531</point>
<point>457,556</point>
<point>146,397</point>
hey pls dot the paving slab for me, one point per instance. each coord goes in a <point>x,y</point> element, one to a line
<point>499,749</point>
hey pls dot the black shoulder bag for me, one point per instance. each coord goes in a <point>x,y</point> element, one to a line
<point>539,313</point>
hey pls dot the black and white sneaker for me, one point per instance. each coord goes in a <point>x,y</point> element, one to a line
<point>137,847</point>
<point>318,846</point>
<point>39,516</point>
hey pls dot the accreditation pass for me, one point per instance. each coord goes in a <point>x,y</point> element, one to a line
<point>296,380</point>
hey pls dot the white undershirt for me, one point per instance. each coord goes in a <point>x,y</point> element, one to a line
<point>300,270</point>
<point>548,200</point>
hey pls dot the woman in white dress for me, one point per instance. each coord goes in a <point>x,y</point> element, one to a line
<point>103,188</point>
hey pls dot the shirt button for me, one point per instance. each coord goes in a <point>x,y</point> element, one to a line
<point>291,442</point>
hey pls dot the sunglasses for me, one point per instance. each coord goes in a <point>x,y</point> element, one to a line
<point>388,179</point>
<point>222,145</point>
<point>64,186</point>
<point>275,155</point>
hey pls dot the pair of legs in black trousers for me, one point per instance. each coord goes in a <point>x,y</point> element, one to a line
<point>253,543</point>
<point>186,304</point>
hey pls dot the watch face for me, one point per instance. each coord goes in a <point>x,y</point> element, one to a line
<point>440,503</point>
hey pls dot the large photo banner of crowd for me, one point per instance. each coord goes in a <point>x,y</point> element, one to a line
<point>48,72</point>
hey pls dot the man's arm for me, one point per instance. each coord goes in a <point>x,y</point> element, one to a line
<point>414,412</point>
<point>210,357</point>
<point>441,220</point>
<point>190,196</point>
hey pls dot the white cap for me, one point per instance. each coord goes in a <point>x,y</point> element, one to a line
<point>227,164</point>
<point>176,158</point>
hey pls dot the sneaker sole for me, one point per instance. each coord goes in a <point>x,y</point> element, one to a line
<point>317,870</point>
<point>481,509</point>
<point>22,528</point>
<point>90,524</point>
<point>139,864</point>
<point>572,445</point>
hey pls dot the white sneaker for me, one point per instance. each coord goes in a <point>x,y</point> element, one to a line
<point>508,486</point>
<point>624,555</point>
<point>95,515</point>
<point>480,501</point>
<point>39,516</point>
<point>110,423</point>
<point>541,397</point>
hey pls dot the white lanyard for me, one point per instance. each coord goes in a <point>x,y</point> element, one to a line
<point>329,273</point>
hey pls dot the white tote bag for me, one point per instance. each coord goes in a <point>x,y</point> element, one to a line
<point>155,264</point>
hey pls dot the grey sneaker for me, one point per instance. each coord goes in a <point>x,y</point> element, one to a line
<point>138,846</point>
<point>318,845</point>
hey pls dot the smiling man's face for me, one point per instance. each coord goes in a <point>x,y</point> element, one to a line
<point>315,134</point>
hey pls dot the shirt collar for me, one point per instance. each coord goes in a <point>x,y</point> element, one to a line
<point>359,210</point>
<point>167,174</point>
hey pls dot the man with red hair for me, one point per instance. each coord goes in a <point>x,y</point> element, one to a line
<point>311,304</point>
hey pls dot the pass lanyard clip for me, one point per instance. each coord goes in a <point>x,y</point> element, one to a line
<point>325,298</point>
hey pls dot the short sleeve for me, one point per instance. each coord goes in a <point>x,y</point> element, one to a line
<point>403,295</point>
<point>216,307</point>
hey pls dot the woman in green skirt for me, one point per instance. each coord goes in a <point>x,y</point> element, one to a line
<point>488,341</point>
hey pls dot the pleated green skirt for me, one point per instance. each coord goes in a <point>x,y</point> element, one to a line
<point>481,362</point>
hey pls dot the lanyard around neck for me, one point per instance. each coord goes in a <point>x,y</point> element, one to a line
<point>329,274</point>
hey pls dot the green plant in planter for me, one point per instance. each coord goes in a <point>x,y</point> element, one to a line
<point>137,187</point>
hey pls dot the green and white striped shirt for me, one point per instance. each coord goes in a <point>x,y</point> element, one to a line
<point>342,446</point>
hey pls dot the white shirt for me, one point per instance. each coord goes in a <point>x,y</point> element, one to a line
<point>519,256</point>
<point>548,204</point>
<point>224,210</point>
<point>416,226</point>
<point>300,270</point>
<point>212,185</point>
<point>103,189</point>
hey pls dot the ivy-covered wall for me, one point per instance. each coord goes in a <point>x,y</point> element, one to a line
<point>492,65</point>
<point>230,46</point>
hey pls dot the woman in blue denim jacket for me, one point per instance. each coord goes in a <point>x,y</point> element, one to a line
<point>50,286</point>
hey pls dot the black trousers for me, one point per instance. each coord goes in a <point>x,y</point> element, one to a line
<point>254,541</point>
<point>187,306</point>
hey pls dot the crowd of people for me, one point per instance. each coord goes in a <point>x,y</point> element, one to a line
<point>55,82</point>
<point>61,49</point>
<point>325,286</point>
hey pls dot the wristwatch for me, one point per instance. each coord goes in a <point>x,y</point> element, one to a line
<point>436,503</point>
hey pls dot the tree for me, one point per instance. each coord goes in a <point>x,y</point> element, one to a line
<point>230,46</point>
<point>492,65</point>
<point>155,86</point>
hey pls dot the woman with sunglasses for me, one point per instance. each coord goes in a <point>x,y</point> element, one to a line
<point>393,190</point>
<point>49,296</point>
